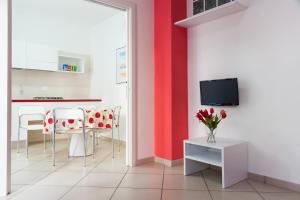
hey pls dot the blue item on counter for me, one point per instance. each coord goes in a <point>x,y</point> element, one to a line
<point>65,67</point>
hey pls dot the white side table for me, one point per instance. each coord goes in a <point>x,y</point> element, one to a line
<point>230,155</point>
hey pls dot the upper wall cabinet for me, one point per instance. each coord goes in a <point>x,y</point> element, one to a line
<point>42,57</point>
<point>27,55</point>
<point>202,11</point>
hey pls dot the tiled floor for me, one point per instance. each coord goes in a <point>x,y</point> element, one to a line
<point>104,178</point>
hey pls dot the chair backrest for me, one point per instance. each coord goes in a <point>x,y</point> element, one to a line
<point>63,117</point>
<point>28,110</point>
<point>89,112</point>
<point>68,113</point>
<point>31,113</point>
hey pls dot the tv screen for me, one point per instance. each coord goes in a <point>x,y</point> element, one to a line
<point>223,92</point>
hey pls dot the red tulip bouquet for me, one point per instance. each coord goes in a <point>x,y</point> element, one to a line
<point>211,121</point>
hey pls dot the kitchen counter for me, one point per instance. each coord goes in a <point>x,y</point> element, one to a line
<point>53,100</point>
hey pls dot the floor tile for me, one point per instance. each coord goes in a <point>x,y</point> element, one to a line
<point>261,187</point>
<point>27,177</point>
<point>213,180</point>
<point>184,182</point>
<point>44,166</point>
<point>150,181</point>
<point>15,188</point>
<point>89,193</point>
<point>111,166</point>
<point>220,195</point>
<point>185,195</point>
<point>135,194</point>
<point>174,170</point>
<point>61,179</point>
<point>41,192</point>
<point>20,164</point>
<point>281,196</point>
<point>76,167</point>
<point>150,168</point>
<point>101,180</point>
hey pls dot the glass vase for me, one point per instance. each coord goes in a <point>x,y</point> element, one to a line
<point>211,133</point>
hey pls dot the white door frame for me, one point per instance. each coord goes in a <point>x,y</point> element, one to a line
<point>5,88</point>
<point>131,136</point>
<point>5,97</point>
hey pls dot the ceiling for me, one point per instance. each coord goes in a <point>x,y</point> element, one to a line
<point>73,11</point>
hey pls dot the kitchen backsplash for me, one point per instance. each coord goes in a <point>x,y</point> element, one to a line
<point>27,84</point>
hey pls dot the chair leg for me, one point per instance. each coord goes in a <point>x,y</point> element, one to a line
<point>27,144</point>
<point>53,148</point>
<point>18,142</point>
<point>97,138</point>
<point>101,142</point>
<point>113,142</point>
<point>119,139</point>
<point>69,146</point>
<point>44,143</point>
<point>84,141</point>
<point>94,143</point>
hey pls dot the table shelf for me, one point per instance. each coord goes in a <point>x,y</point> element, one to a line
<point>213,14</point>
<point>212,159</point>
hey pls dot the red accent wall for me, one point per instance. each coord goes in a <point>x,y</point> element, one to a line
<point>171,101</point>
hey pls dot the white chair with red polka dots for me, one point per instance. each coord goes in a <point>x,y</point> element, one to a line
<point>66,121</point>
<point>107,121</point>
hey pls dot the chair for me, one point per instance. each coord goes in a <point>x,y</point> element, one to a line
<point>68,121</point>
<point>106,121</point>
<point>27,114</point>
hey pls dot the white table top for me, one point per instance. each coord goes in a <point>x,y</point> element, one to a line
<point>221,143</point>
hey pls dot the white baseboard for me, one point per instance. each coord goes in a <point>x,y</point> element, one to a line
<point>276,182</point>
<point>169,163</point>
<point>144,161</point>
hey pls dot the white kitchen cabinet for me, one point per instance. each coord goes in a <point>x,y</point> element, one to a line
<point>27,55</point>
<point>42,57</point>
<point>18,54</point>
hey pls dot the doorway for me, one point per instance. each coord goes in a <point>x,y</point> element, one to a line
<point>130,129</point>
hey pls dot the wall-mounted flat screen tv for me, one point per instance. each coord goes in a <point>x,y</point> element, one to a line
<point>222,92</point>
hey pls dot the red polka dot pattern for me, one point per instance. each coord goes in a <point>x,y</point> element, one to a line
<point>91,120</point>
<point>50,120</point>
<point>101,119</point>
<point>97,115</point>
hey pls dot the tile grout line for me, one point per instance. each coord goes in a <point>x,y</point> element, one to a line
<point>118,186</point>
<point>12,195</point>
<point>90,171</point>
<point>37,162</point>
<point>162,185</point>
<point>206,186</point>
<point>259,194</point>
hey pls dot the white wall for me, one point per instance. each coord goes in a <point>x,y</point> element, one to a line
<point>106,37</point>
<point>261,47</point>
<point>69,38</point>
